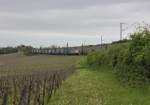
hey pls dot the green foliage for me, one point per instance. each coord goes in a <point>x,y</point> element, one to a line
<point>130,60</point>
<point>27,50</point>
<point>8,50</point>
<point>121,41</point>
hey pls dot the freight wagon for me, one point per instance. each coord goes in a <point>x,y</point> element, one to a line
<point>58,51</point>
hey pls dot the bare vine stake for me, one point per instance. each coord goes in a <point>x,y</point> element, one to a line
<point>24,96</point>
<point>5,98</point>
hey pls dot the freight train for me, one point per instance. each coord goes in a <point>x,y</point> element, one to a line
<point>60,51</point>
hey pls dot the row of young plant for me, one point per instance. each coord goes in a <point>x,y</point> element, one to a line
<point>31,89</point>
<point>130,60</point>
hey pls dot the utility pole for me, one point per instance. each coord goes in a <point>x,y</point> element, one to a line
<point>67,48</point>
<point>101,39</point>
<point>82,49</point>
<point>67,45</point>
<point>121,30</point>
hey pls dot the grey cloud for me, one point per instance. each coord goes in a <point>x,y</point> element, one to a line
<point>74,17</point>
<point>24,5</point>
<point>60,19</point>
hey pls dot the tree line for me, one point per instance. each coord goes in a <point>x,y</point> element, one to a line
<point>8,50</point>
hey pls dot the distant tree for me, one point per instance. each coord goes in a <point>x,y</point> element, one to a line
<point>8,50</point>
<point>27,50</point>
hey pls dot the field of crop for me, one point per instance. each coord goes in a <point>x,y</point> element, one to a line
<point>15,63</point>
<point>32,80</point>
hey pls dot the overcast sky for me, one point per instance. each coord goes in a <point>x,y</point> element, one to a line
<point>48,22</point>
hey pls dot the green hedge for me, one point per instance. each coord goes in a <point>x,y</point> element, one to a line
<point>130,60</point>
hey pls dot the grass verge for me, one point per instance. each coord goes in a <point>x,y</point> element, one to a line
<point>93,87</point>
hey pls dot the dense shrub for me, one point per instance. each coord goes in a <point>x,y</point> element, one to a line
<point>130,60</point>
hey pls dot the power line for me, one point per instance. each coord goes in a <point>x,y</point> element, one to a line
<point>101,39</point>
